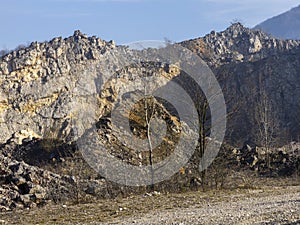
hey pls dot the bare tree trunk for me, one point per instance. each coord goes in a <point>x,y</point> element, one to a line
<point>266,124</point>
<point>202,111</point>
<point>149,112</point>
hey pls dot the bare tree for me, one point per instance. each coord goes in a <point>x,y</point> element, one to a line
<point>149,108</point>
<point>267,124</point>
<point>203,112</point>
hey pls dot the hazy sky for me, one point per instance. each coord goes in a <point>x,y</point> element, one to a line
<point>24,21</point>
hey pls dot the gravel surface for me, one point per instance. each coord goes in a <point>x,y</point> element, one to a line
<point>266,205</point>
<point>282,208</point>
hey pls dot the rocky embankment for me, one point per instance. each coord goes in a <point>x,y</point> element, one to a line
<point>26,186</point>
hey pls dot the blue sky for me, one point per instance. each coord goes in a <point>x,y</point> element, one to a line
<point>24,21</point>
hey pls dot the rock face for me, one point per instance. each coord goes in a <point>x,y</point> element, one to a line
<point>285,25</point>
<point>52,93</point>
<point>249,63</point>
<point>44,87</point>
<point>42,83</point>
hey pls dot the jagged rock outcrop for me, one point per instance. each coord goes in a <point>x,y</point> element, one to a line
<point>40,86</point>
<point>237,44</point>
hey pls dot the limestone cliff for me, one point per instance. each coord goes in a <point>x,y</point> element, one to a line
<point>247,63</point>
<point>44,87</point>
<point>41,86</point>
<point>52,93</point>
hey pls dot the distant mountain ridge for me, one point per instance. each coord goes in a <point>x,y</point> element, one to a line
<point>285,25</point>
